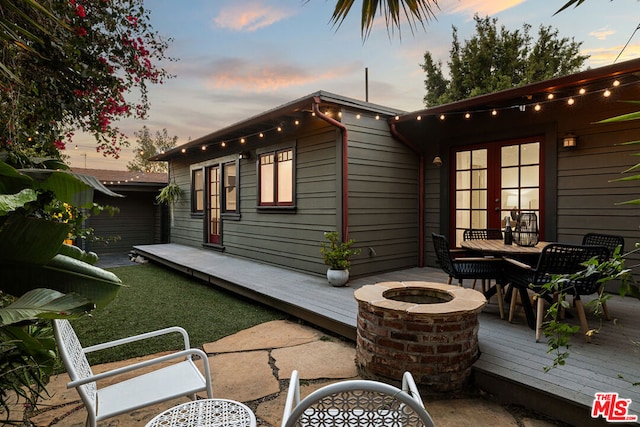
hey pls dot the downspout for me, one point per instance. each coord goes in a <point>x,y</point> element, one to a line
<point>413,148</point>
<point>345,165</point>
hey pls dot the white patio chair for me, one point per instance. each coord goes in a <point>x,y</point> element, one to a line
<point>178,379</point>
<point>358,403</point>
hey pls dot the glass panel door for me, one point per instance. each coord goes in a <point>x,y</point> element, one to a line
<point>494,181</point>
<point>213,217</point>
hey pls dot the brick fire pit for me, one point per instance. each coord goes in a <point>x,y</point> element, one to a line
<point>429,329</point>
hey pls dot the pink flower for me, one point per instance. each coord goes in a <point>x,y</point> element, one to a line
<point>80,11</point>
<point>59,144</point>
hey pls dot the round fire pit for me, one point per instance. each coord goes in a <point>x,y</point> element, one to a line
<point>429,329</point>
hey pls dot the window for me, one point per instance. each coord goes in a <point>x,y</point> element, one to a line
<point>276,178</point>
<point>230,187</point>
<point>197,191</point>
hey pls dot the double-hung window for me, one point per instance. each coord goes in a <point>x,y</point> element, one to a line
<point>197,191</point>
<point>276,170</point>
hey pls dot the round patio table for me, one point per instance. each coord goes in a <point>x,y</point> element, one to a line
<point>206,413</point>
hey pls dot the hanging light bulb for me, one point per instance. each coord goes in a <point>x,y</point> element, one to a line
<point>537,107</point>
<point>419,118</point>
<point>223,144</point>
<point>582,91</point>
<point>441,116</point>
<point>467,115</point>
<point>494,112</point>
<point>616,83</point>
<point>550,96</point>
<point>607,93</point>
<point>242,140</point>
<point>571,101</point>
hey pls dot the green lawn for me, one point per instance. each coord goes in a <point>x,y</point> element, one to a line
<point>156,297</point>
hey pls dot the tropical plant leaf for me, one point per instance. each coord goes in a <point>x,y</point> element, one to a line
<point>63,274</point>
<point>30,240</point>
<point>622,118</point>
<point>629,202</point>
<point>11,202</point>
<point>44,304</point>
<point>12,181</point>
<point>569,4</point>
<point>627,178</point>
<point>65,185</point>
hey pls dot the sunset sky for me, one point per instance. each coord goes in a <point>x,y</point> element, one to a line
<point>240,58</point>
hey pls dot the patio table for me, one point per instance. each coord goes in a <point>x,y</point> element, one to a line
<point>495,247</point>
<point>206,413</point>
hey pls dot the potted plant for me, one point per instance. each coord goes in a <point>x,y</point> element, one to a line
<point>337,255</point>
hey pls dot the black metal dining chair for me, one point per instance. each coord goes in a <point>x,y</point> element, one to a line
<point>555,259</point>
<point>610,241</point>
<point>460,268</point>
<point>482,234</point>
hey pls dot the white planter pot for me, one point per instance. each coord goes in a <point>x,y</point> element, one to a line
<point>337,277</point>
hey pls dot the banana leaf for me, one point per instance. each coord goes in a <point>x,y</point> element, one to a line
<point>63,274</point>
<point>44,304</point>
<point>30,240</point>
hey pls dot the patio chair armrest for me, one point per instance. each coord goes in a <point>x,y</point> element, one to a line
<point>476,259</point>
<point>140,337</point>
<point>515,263</point>
<point>181,354</point>
<point>293,397</point>
<point>409,387</point>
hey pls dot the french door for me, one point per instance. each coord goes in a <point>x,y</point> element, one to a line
<point>213,210</point>
<point>493,181</point>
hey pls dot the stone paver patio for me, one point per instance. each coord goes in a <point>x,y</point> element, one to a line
<point>254,365</point>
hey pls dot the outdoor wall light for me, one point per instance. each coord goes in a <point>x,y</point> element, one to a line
<point>245,155</point>
<point>437,161</point>
<point>570,141</point>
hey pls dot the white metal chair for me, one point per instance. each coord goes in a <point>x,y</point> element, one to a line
<point>178,379</point>
<point>356,403</point>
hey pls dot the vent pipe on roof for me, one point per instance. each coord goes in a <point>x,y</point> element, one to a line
<point>366,84</point>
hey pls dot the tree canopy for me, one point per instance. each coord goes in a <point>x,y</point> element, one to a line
<point>496,58</point>
<point>148,146</point>
<point>70,65</point>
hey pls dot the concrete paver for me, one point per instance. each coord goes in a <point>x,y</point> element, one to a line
<point>254,365</point>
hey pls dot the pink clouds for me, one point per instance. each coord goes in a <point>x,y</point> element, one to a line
<point>267,76</point>
<point>250,16</point>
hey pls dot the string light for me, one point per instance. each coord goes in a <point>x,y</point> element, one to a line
<point>571,101</point>
<point>358,116</point>
<point>377,117</point>
<point>494,112</point>
<point>550,96</point>
<point>441,116</point>
<point>223,144</point>
<point>582,91</point>
<point>607,93</point>
<point>467,115</point>
<point>204,147</point>
<point>537,107</point>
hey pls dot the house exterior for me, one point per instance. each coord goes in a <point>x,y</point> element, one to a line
<point>506,151</point>
<point>139,221</point>
<point>267,188</point>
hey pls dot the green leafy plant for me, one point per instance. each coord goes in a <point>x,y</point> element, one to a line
<point>559,332</point>
<point>336,254</point>
<point>42,278</point>
<point>170,194</point>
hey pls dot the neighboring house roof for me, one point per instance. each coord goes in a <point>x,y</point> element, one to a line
<point>278,117</point>
<point>524,97</point>
<point>124,178</point>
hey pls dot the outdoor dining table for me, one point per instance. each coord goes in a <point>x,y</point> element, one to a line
<point>495,247</point>
<point>206,413</point>
<point>498,248</point>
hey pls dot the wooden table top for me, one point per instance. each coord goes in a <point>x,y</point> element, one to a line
<point>498,247</point>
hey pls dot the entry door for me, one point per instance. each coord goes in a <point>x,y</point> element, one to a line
<point>493,181</point>
<point>213,210</point>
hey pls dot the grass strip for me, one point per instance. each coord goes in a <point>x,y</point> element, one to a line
<point>156,297</point>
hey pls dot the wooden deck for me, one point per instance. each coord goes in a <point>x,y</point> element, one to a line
<point>511,362</point>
